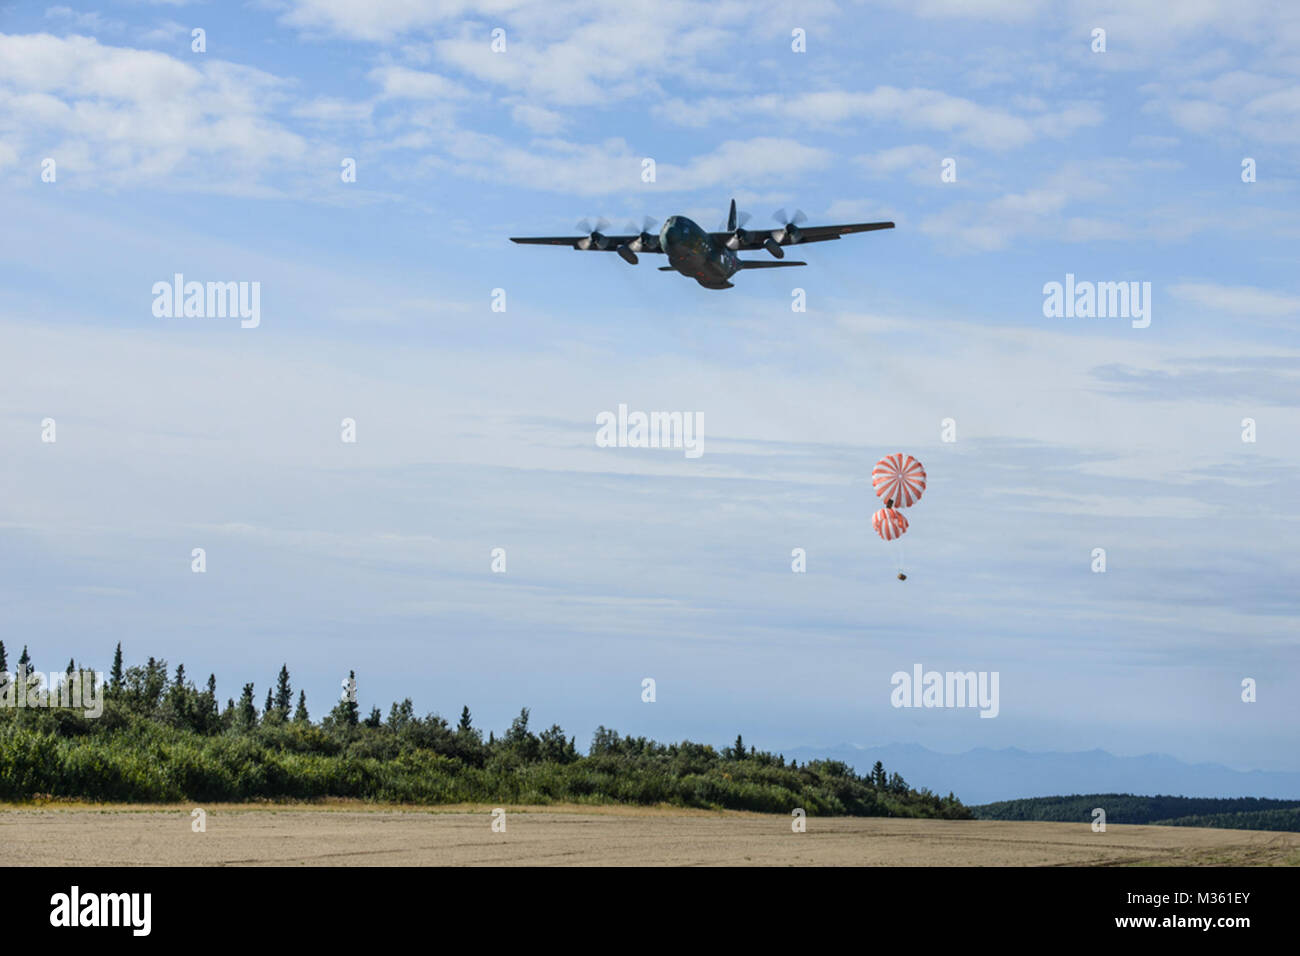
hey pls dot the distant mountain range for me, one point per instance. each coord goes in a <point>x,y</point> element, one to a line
<point>984,775</point>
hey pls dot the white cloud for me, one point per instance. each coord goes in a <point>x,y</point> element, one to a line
<point>1278,107</point>
<point>1079,202</point>
<point>165,32</point>
<point>1237,300</point>
<point>398,82</point>
<point>1147,141</point>
<point>613,166</point>
<point>757,160</point>
<point>328,109</point>
<point>575,53</point>
<point>987,227</point>
<point>538,119</point>
<point>997,10</point>
<point>119,115</point>
<point>988,127</point>
<point>1198,116</point>
<point>859,210</point>
<point>920,161</point>
<point>91,21</point>
<point>380,20</point>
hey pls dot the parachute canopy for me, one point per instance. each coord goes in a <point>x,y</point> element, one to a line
<point>889,523</point>
<point>899,478</point>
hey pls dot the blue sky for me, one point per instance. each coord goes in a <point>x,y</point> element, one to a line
<point>476,429</point>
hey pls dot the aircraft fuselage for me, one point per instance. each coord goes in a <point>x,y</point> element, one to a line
<point>692,252</point>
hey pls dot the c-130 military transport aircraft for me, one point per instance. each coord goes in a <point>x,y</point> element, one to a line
<point>707,257</point>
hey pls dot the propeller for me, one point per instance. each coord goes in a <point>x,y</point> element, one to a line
<point>735,226</point>
<point>594,234</point>
<point>789,226</point>
<point>645,240</point>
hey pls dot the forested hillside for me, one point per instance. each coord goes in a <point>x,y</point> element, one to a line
<point>161,738</point>
<point>1245,813</point>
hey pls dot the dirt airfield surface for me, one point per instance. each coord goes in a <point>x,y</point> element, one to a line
<point>351,834</point>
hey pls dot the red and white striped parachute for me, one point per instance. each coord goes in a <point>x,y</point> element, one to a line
<point>889,523</point>
<point>899,478</point>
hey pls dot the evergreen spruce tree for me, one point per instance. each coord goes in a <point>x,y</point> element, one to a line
<point>401,716</point>
<point>25,661</point>
<point>464,727</point>
<point>246,716</point>
<point>522,740</point>
<point>300,715</point>
<point>155,682</point>
<point>178,696</point>
<point>375,718</point>
<point>283,693</point>
<point>268,709</point>
<point>115,675</point>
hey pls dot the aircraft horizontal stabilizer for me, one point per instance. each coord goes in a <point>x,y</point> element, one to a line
<point>764,264</point>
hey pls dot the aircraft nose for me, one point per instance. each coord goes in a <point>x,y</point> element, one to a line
<point>670,226</point>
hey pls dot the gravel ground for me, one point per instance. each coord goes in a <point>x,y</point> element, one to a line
<point>355,835</point>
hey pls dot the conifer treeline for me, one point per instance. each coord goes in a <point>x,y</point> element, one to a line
<point>1242,813</point>
<point>161,738</point>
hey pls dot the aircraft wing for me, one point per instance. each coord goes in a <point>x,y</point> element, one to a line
<point>822,233</point>
<point>611,242</point>
<point>806,233</point>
